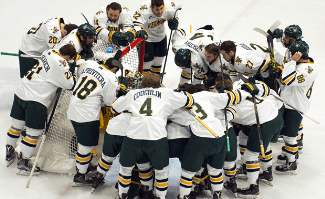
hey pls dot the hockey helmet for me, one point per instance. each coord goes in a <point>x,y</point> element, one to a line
<point>300,46</point>
<point>182,58</point>
<point>86,30</point>
<point>293,31</point>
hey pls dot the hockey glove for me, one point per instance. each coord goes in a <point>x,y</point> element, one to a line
<point>180,90</point>
<point>123,87</point>
<point>123,81</point>
<point>130,35</point>
<point>250,87</point>
<point>257,76</point>
<point>86,53</point>
<point>277,33</point>
<point>117,38</point>
<point>277,71</point>
<point>210,80</point>
<point>173,23</point>
<point>141,33</point>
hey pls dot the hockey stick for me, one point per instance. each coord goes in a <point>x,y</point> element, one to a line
<point>199,120</point>
<point>270,30</point>
<point>85,18</point>
<point>278,98</point>
<point>170,36</point>
<point>22,55</point>
<point>44,136</point>
<point>259,131</point>
<point>223,85</point>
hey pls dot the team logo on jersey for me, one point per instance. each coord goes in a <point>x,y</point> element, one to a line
<point>144,7</point>
<point>99,12</point>
<point>201,47</point>
<point>63,62</point>
<point>173,5</point>
<point>309,70</point>
<point>224,67</point>
<point>55,30</point>
<point>238,60</point>
<point>125,8</point>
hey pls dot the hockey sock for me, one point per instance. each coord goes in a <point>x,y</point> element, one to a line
<point>267,161</point>
<point>216,178</point>
<point>12,136</point>
<point>83,157</point>
<point>146,174</point>
<point>161,182</point>
<point>185,183</point>
<point>229,169</point>
<point>105,163</point>
<point>124,179</point>
<point>290,148</point>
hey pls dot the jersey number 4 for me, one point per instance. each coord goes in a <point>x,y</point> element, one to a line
<point>146,107</point>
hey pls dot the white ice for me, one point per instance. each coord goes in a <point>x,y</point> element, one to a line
<point>234,20</point>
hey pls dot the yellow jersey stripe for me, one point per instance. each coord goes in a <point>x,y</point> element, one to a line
<point>104,165</point>
<point>14,132</point>
<point>216,179</point>
<point>252,166</point>
<point>31,141</point>
<point>83,159</point>
<point>161,184</point>
<point>124,181</point>
<point>185,182</point>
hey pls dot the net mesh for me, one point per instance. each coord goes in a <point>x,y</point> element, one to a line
<point>60,147</point>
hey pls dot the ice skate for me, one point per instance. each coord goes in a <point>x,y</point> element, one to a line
<point>251,192</point>
<point>241,172</point>
<point>217,195</point>
<point>80,180</point>
<point>146,193</point>
<point>184,197</point>
<point>98,181</point>
<point>11,155</point>
<point>283,159</point>
<point>91,171</point>
<point>290,168</point>
<point>124,196</point>
<point>231,186</point>
<point>25,166</point>
<point>195,192</point>
<point>267,176</point>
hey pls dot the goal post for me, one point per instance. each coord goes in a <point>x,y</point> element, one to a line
<point>60,145</point>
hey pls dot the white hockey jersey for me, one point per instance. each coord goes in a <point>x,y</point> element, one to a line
<point>249,59</point>
<point>196,44</point>
<point>103,25</point>
<point>145,18</point>
<point>71,38</point>
<point>150,109</point>
<point>40,83</point>
<point>119,124</point>
<point>95,85</point>
<point>296,84</point>
<point>40,38</point>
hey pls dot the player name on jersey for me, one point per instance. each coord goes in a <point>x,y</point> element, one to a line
<point>191,45</point>
<point>96,74</point>
<point>147,92</point>
<point>45,64</point>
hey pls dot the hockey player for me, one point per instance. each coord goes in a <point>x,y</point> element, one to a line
<point>149,22</point>
<point>203,147</point>
<point>270,123</point>
<point>32,98</point>
<point>292,33</point>
<point>40,38</point>
<point>246,59</point>
<point>297,80</point>
<point>114,20</point>
<point>96,84</point>
<point>146,142</point>
<point>82,39</point>
<point>190,53</point>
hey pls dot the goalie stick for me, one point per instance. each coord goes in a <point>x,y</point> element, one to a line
<point>170,36</point>
<point>44,136</point>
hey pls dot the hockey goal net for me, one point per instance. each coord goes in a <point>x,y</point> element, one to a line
<point>60,147</point>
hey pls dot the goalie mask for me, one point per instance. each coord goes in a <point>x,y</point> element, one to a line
<point>134,78</point>
<point>182,58</point>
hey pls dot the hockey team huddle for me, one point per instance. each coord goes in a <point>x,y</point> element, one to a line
<point>228,93</point>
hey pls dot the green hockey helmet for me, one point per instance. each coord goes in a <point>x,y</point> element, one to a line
<point>86,30</point>
<point>182,58</point>
<point>300,46</point>
<point>293,31</point>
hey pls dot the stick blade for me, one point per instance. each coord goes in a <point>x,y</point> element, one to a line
<point>275,25</point>
<point>261,31</point>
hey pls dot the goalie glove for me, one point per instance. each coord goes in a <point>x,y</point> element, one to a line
<point>117,38</point>
<point>173,23</point>
<point>130,35</point>
<point>141,33</point>
<point>123,87</point>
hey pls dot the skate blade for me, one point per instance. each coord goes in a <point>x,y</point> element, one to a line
<point>76,184</point>
<point>280,161</point>
<point>93,189</point>
<point>10,162</point>
<point>248,196</point>
<point>27,173</point>
<point>286,172</point>
<point>267,182</point>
